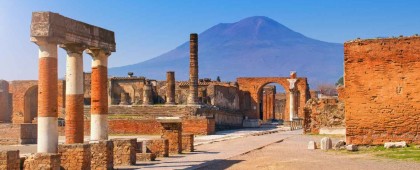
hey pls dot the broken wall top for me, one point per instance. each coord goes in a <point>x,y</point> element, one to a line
<point>58,29</point>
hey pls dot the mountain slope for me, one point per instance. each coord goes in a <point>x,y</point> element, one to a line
<point>254,46</point>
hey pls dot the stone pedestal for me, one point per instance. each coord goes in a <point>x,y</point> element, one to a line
<point>124,151</point>
<point>172,130</point>
<point>188,142</point>
<point>159,147</point>
<point>9,160</point>
<point>42,161</point>
<point>102,154</point>
<point>75,156</point>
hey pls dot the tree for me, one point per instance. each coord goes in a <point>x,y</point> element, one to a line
<point>218,79</point>
<point>340,82</point>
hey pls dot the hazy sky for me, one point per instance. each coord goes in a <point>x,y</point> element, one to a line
<point>146,29</point>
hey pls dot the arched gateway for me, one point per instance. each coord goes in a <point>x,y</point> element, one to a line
<point>296,89</point>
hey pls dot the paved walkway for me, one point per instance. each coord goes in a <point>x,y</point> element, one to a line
<point>292,154</point>
<point>206,154</point>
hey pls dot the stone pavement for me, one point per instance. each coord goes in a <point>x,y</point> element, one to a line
<point>292,154</point>
<point>217,150</point>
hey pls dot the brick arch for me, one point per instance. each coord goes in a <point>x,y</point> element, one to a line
<point>30,101</point>
<point>254,86</point>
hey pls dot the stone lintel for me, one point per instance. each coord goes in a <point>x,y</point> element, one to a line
<point>169,120</point>
<point>58,29</point>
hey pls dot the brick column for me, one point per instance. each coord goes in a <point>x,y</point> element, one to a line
<point>292,88</point>
<point>47,97</point>
<point>170,88</point>
<point>172,130</point>
<point>99,95</point>
<point>193,94</point>
<point>74,93</point>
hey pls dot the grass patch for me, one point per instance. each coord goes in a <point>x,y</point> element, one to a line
<point>411,153</point>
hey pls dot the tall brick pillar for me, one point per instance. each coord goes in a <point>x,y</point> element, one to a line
<point>170,88</point>
<point>99,95</point>
<point>74,93</point>
<point>5,109</point>
<point>47,97</point>
<point>193,94</point>
<point>292,90</point>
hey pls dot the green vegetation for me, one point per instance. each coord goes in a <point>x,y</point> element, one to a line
<point>411,153</point>
<point>125,116</point>
<point>340,82</point>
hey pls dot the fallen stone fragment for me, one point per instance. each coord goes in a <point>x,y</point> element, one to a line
<point>352,148</point>
<point>326,143</point>
<point>340,145</point>
<point>311,145</point>
<point>402,144</point>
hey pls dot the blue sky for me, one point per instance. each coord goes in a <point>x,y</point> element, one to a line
<point>146,29</point>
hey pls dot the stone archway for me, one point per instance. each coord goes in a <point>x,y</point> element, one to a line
<point>30,110</point>
<point>254,86</point>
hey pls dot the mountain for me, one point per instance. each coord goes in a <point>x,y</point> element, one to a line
<point>254,46</point>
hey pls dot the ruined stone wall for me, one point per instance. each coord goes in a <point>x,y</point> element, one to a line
<point>280,106</point>
<point>382,90</point>
<point>131,85</point>
<point>5,102</point>
<point>224,96</point>
<point>25,100</point>
<point>326,112</point>
<point>12,134</point>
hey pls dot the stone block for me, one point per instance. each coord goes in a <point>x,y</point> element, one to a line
<point>326,143</point>
<point>188,142</point>
<point>9,160</point>
<point>144,157</point>
<point>251,123</point>
<point>42,161</point>
<point>352,148</point>
<point>312,145</point>
<point>172,130</point>
<point>159,147</point>
<point>102,155</point>
<point>124,151</point>
<point>75,156</point>
<point>402,144</point>
<point>340,145</point>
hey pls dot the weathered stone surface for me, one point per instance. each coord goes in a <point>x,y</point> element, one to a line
<point>42,161</point>
<point>124,151</point>
<point>145,157</point>
<point>102,155</point>
<point>62,30</point>
<point>312,145</point>
<point>326,143</point>
<point>352,148</point>
<point>75,156</point>
<point>9,160</point>
<point>402,144</point>
<point>159,147</point>
<point>188,142</point>
<point>323,113</point>
<point>340,144</point>
<point>251,123</point>
<point>380,90</point>
<point>173,132</point>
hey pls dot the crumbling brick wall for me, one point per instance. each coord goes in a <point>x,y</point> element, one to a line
<point>5,102</point>
<point>9,160</point>
<point>325,112</point>
<point>382,88</point>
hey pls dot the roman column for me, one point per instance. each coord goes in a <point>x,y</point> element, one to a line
<point>292,89</point>
<point>74,93</point>
<point>170,88</point>
<point>99,95</point>
<point>47,97</point>
<point>193,95</point>
<point>147,94</point>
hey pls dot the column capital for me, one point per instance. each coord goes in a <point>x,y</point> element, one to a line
<point>95,53</point>
<point>73,48</point>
